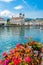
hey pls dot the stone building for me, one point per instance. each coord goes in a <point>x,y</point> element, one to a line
<point>18,20</point>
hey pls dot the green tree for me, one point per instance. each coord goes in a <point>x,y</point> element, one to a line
<point>8,21</point>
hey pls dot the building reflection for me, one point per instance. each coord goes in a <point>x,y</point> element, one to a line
<point>22,34</point>
<point>16,34</point>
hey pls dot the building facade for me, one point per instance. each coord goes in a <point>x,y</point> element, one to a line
<point>2,21</point>
<point>17,20</point>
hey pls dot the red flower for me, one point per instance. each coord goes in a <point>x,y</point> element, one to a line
<point>16,61</point>
<point>19,60</point>
<point>27,59</point>
<point>1,62</point>
<point>18,45</point>
<point>26,37</point>
<point>11,51</point>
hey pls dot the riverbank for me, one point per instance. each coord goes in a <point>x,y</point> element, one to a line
<point>24,54</point>
<point>14,25</point>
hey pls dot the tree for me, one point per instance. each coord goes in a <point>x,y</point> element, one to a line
<point>20,14</point>
<point>8,21</point>
<point>23,15</point>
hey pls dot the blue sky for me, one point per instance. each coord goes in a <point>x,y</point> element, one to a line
<point>31,8</point>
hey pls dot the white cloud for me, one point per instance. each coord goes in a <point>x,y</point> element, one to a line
<point>18,7</point>
<point>6,0</point>
<point>6,13</point>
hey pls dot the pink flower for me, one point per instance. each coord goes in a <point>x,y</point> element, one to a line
<point>27,59</point>
<point>26,37</point>
<point>5,62</point>
<point>4,54</point>
<point>30,37</point>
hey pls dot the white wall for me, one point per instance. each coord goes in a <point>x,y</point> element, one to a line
<point>26,23</point>
<point>1,22</point>
<point>20,21</point>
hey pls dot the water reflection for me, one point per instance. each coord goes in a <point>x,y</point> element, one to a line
<point>21,34</point>
<point>10,36</point>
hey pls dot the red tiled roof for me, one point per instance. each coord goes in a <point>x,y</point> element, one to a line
<point>17,18</point>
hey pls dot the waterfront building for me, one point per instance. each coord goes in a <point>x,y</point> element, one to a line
<point>2,21</point>
<point>17,20</point>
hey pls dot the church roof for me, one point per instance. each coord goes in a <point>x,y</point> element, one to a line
<point>17,18</point>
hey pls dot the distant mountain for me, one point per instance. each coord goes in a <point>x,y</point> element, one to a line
<point>39,18</point>
<point>28,19</point>
<point>5,18</point>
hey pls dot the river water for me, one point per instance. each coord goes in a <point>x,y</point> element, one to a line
<point>10,36</point>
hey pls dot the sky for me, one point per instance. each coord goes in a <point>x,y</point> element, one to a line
<point>31,8</point>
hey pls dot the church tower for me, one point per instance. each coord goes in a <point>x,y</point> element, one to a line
<point>22,18</point>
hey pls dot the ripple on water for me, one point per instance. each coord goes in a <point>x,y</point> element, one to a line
<point>10,36</point>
